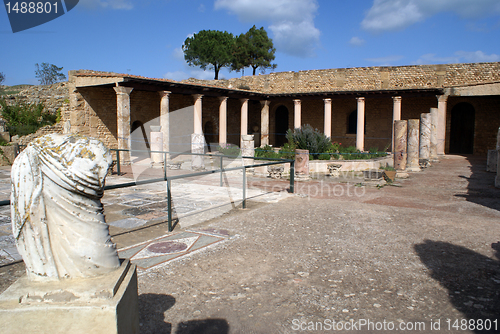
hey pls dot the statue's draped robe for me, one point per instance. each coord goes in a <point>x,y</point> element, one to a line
<point>57,215</point>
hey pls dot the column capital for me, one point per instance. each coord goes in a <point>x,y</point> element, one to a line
<point>265,103</point>
<point>327,101</point>
<point>164,93</point>
<point>223,98</point>
<point>244,100</point>
<point>296,102</point>
<point>360,98</point>
<point>123,90</point>
<point>396,98</point>
<point>442,98</point>
<point>197,97</point>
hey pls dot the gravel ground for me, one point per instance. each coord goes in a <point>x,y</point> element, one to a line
<point>408,261</point>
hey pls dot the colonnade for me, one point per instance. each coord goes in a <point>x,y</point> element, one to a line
<point>123,119</point>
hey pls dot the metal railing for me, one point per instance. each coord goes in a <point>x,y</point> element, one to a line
<point>169,179</point>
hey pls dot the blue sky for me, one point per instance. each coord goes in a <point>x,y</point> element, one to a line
<point>145,37</point>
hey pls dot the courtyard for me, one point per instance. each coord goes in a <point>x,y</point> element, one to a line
<point>421,255</point>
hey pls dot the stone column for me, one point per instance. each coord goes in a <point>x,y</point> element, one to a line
<point>156,136</point>
<point>264,123</point>
<point>247,150</point>
<point>441,125</point>
<point>301,165</point>
<point>223,121</point>
<point>328,117</point>
<point>244,119</point>
<point>434,141</point>
<point>165,120</point>
<point>197,119</point>
<point>497,178</point>
<point>360,129</point>
<point>197,138</point>
<point>297,113</point>
<point>425,138</point>
<point>396,115</point>
<point>400,136</point>
<point>123,121</point>
<point>413,145</point>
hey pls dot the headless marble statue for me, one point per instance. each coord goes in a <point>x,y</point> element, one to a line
<point>57,216</point>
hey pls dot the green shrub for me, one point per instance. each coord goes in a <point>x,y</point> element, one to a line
<point>266,152</point>
<point>230,150</point>
<point>307,138</point>
<point>23,119</point>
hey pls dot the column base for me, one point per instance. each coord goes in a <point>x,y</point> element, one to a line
<point>197,146</point>
<point>103,304</point>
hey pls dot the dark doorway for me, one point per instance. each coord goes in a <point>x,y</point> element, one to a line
<point>281,126</point>
<point>462,129</point>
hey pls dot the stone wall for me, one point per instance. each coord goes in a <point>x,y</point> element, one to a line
<point>52,96</point>
<point>365,78</point>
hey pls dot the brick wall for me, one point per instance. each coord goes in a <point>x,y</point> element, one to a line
<point>365,78</point>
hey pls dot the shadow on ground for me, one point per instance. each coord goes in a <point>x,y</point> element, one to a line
<point>152,308</point>
<point>472,279</point>
<point>481,188</point>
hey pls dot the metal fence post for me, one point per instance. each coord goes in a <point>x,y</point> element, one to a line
<point>164,165</point>
<point>118,162</point>
<point>292,177</point>
<point>169,206</point>
<point>244,203</point>
<point>221,168</point>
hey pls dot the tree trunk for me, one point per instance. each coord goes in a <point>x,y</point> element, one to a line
<point>254,69</point>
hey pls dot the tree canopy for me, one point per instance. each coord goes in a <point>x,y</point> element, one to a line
<point>48,73</point>
<point>2,77</point>
<point>210,49</point>
<point>253,49</point>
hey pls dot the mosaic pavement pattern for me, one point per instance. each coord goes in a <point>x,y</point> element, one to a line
<point>166,248</point>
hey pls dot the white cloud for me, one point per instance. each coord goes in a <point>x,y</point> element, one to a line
<point>356,41</point>
<point>477,56</point>
<point>178,54</point>
<point>459,57</point>
<point>111,4</point>
<point>201,8</point>
<point>291,21</point>
<point>388,15</point>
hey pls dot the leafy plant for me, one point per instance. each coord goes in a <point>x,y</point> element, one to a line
<point>307,138</point>
<point>230,150</point>
<point>210,49</point>
<point>48,73</point>
<point>266,152</point>
<point>23,118</point>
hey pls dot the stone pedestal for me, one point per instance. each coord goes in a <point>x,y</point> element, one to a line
<point>104,304</point>
<point>247,150</point>
<point>425,138</point>
<point>491,163</point>
<point>413,146</point>
<point>433,154</point>
<point>197,146</point>
<point>497,178</point>
<point>400,143</point>
<point>156,145</point>
<point>301,165</point>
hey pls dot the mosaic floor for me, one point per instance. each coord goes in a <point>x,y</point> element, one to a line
<point>166,248</point>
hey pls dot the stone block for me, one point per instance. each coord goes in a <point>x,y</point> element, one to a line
<point>491,164</point>
<point>103,304</point>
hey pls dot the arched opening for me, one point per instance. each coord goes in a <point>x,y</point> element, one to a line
<point>462,125</point>
<point>352,123</point>
<point>281,126</point>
